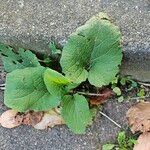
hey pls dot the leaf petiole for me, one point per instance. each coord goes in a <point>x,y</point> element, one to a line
<point>88,94</point>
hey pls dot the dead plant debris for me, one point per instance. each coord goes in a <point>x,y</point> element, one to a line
<point>39,120</point>
<point>139,117</point>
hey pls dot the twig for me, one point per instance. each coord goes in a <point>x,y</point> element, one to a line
<point>41,60</point>
<point>137,98</point>
<point>110,119</point>
<point>90,94</point>
<point>145,84</point>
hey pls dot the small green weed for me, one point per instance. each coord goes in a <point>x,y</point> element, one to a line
<point>123,143</point>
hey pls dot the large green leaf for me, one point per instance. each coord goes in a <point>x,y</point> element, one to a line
<point>19,60</point>
<point>55,82</point>
<point>25,90</point>
<point>93,52</point>
<point>76,113</point>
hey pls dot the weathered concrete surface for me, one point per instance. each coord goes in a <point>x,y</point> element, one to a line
<point>32,23</point>
<point>60,138</point>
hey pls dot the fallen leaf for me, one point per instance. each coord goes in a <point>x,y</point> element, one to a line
<point>139,117</point>
<point>32,118</point>
<point>97,100</point>
<point>143,142</point>
<point>39,120</point>
<point>50,119</point>
<point>9,119</point>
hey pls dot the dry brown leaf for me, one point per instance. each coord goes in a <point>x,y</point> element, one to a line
<point>50,119</point>
<point>9,119</point>
<point>32,118</point>
<point>143,142</point>
<point>139,117</point>
<point>38,120</point>
<point>97,100</point>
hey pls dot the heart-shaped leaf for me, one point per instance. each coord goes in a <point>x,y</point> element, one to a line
<point>93,52</point>
<point>25,90</point>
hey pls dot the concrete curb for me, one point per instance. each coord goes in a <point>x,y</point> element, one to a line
<point>31,24</point>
